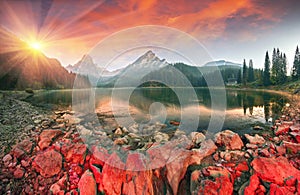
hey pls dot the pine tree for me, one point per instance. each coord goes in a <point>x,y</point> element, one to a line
<point>284,69</point>
<point>296,65</point>
<point>250,72</point>
<point>274,67</point>
<point>244,72</point>
<point>279,64</point>
<point>239,77</point>
<point>266,73</point>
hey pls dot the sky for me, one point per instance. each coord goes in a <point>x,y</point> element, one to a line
<point>227,29</point>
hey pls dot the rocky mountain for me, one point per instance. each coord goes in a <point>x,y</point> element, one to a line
<point>87,67</point>
<point>132,74</point>
<point>22,67</point>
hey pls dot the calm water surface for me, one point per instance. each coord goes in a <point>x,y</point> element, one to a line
<point>244,109</point>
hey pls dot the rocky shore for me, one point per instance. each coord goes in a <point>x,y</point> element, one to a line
<point>66,153</point>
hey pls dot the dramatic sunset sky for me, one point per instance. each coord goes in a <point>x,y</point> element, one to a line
<point>229,29</point>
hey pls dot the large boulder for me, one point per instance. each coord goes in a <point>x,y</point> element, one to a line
<point>87,184</point>
<point>47,137</point>
<point>48,163</point>
<point>229,139</point>
<point>274,170</point>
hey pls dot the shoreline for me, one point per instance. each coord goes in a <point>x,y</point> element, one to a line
<point>225,163</point>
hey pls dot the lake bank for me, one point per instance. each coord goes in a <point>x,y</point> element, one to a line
<point>225,163</point>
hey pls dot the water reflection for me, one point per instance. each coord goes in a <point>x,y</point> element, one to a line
<point>244,108</point>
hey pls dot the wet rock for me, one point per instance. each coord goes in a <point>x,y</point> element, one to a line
<point>175,123</point>
<point>275,170</point>
<point>256,139</point>
<point>118,131</point>
<point>161,137</point>
<point>197,137</point>
<point>48,163</point>
<point>282,129</point>
<point>47,137</point>
<point>251,146</point>
<point>71,119</point>
<point>229,139</point>
<point>84,131</point>
<point>87,184</point>
<point>121,141</point>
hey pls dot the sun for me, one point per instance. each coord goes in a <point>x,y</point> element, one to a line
<point>35,46</point>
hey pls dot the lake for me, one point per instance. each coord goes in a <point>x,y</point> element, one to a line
<point>243,109</point>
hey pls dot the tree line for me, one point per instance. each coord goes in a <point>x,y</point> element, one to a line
<point>274,72</point>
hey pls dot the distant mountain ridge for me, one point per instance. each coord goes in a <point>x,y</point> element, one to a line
<point>222,63</point>
<point>149,67</point>
<point>21,67</point>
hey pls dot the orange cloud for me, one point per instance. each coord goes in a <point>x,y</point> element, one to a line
<point>74,28</point>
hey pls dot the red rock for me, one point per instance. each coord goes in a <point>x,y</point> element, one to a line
<point>242,166</point>
<point>253,185</point>
<point>251,146</point>
<point>284,190</point>
<point>195,175</point>
<point>262,188</point>
<point>22,148</point>
<point>221,186</point>
<point>229,139</point>
<point>176,169</point>
<point>281,150</point>
<point>77,153</point>
<point>47,137</point>
<point>87,184</point>
<point>7,159</point>
<point>296,135</point>
<point>256,139</point>
<point>264,152</point>
<point>175,123</point>
<point>19,173</point>
<point>18,153</point>
<point>275,170</point>
<point>291,181</point>
<point>282,129</point>
<point>207,148</point>
<point>55,189</point>
<point>293,147</point>
<point>99,156</point>
<point>25,163</point>
<point>113,175</point>
<point>295,128</point>
<point>215,172</point>
<point>138,178</point>
<point>48,163</point>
